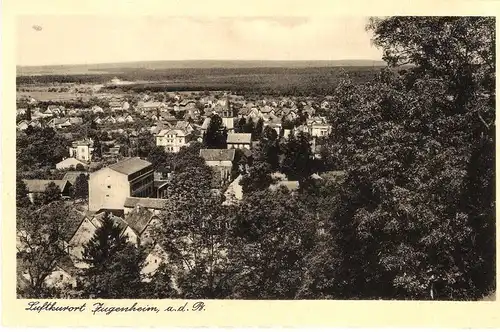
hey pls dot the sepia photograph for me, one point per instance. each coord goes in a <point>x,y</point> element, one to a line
<point>255,158</point>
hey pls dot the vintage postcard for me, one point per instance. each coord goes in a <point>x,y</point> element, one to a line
<point>223,164</point>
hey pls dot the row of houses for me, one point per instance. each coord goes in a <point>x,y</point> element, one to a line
<point>127,118</point>
<point>56,123</point>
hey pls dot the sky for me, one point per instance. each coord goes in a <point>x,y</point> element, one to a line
<point>57,40</point>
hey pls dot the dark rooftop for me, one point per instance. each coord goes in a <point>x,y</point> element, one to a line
<point>150,203</point>
<point>139,218</point>
<point>217,154</point>
<point>130,165</point>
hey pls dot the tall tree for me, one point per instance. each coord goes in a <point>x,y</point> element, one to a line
<point>257,178</point>
<point>268,149</point>
<point>114,264</point>
<point>240,125</point>
<point>28,113</point>
<point>39,245</point>
<point>259,127</point>
<point>249,126</point>
<point>215,137</point>
<point>21,193</point>
<point>52,193</point>
<point>297,161</point>
<point>405,227</point>
<point>40,148</point>
<point>145,144</point>
<point>161,285</point>
<point>160,158</point>
<point>271,237</point>
<point>193,231</point>
<point>81,188</point>
<point>460,52</point>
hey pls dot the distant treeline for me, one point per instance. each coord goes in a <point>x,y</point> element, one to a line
<point>288,81</point>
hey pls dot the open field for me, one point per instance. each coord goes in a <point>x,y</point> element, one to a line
<point>293,80</point>
<point>53,96</point>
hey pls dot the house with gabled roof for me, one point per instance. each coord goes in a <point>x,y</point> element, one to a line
<point>117,105</point>
<point>35,123</point>
<point>220,160</point>
<point>267,110</point>
<point>275,123</point>
<point>309,110</point>
<point>172,140</point>
<point>110,186</point>
<point>37,187</point>
<point>85,229</point>
<point>36,114</point>
<point>110,119</point>
<point>140,222</point>
<point>158,127</point>
<point>97,109</point>
<point>54,109</point>
<point>254,113</point>
<point>318,127</point>
<point>59,123</point>
<point>64,274</point>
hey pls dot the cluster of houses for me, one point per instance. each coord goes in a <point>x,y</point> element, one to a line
<point>231,108</point>
<point>131,189</point>
<point>126,118</point>
<point>134,194</point>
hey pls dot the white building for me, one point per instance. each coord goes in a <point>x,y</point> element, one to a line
<point>82,150</point>
<point>171,139</point>
<point>109,187</point>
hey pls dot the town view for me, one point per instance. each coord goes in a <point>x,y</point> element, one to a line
<point>211,179</point>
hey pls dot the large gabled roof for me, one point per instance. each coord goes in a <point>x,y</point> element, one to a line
<point>39,186</point>
<point>138,219</point>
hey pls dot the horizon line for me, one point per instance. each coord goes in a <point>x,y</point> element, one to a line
<point>193,60</point>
